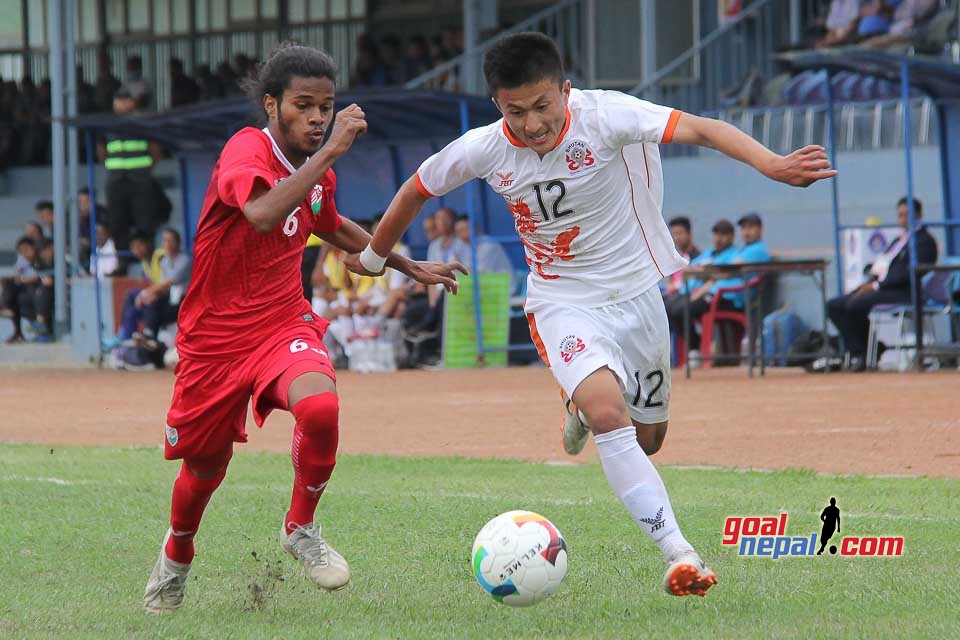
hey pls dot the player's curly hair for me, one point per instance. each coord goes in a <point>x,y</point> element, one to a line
<point>289,59</point>
<point>522,58</point>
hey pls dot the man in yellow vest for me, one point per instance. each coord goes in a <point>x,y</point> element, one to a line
<point>134,198</point>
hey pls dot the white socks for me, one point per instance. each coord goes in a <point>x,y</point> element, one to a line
<point>638,485</point>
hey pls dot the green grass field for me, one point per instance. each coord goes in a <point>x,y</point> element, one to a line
<point>81,529</point>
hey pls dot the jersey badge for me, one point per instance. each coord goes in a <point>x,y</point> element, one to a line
<point>578,155</point>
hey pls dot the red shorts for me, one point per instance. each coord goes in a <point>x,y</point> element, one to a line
<point>209,407</point>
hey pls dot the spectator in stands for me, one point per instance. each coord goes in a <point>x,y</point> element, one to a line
<point>107,84</point>
<point>680,229</point>
<point>874,18</point>
<point>491,258</point>
<point>43,295</point>
<point>209,85</point>
<point>446,246</point>
<point>134,198</point>
<point>158,303</point>
<point>18,291</point>
<point>86,93</point>
<point>107,263</point>
<point>34,232</point>
<point>417,58</point>
<point>183,88</point>
<point>391,55</point>
<point>841,23</point>
<point>228,79</point>
<point>368,70</point>
<point>147,265</point>
<point>430,229</point>
<point>44,211</point>
<point>136,85</point>
<point>888,282</point>
<point>907,17</point>
<point>722,252</point>
<point>83,222</point>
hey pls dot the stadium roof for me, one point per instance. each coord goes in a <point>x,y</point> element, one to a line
<point>392,115</point>
<point>940,80</point>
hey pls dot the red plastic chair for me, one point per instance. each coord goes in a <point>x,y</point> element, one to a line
<point>713,316</point>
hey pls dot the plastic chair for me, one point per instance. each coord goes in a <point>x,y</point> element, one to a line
<point>711,319</point>
<point>939,289</point>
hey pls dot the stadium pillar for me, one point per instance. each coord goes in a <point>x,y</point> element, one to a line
<point>949,121</point>
<point>471,36</point>
<point>648,40</point>
<point>794,20</point>
<point>57,143</point>
<point>72,142</point>
<point>912,214</point>
<point>834,186</point>
<point>472,217</point>
<point>94,251</point>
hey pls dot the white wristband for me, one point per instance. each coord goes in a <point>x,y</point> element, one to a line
<point>371,261</point>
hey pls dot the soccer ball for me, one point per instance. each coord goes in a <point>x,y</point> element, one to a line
<point>520,558</point>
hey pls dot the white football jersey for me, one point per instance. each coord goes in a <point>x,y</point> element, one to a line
<point>588,213</point>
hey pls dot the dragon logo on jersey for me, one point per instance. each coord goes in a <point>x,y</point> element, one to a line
<point>545,255</point>
<point>570,347</point>
<point>578,155</point>
<point>316,199</point>
<point>522,216</point>
<point>506,179</point>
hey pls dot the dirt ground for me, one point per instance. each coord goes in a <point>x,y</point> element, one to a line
<point>898,424</point>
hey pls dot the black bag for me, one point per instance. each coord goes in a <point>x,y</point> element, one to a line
<point>804,350</point>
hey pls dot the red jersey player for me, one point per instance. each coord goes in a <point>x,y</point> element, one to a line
<point>245,328</point>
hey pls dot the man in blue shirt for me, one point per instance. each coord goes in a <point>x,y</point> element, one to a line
<point>723,252</point>
<point>753,250</point>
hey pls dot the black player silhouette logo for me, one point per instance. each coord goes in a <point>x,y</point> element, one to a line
<point>831,521</point>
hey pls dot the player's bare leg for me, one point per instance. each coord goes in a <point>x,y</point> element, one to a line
<point>637,483</point>
<point>651,436</point>
<point>313,401</point>
<point>195,484</point>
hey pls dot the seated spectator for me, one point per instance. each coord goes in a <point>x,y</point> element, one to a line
<point>107,263</point>
<point>18,291</point>
<point>888,282</point>
<point>183,88</point>
<point>147,266</point>
<point>907,17</point>
<point>722,252</point>
<point>874,18</point>
<point>841,23</point>
<point>34,231</point>
<point>44,209</point>
<point>753,250</point>
<point>491,258</point>
<point>157,304</point>
<point>680,229</point>
<point>430,229</point>
<point>43,295</point>
<point>83,223</point>
<point>446,247</point>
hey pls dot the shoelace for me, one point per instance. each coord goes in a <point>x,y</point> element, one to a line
<point>171,579</point>
<point>316,553</point>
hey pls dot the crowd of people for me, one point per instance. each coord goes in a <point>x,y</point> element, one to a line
<point>873,24</point>
<point>391,307</point>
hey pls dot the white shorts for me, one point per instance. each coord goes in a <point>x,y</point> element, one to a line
<point>631,338</point>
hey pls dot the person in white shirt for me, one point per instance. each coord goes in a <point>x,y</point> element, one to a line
<point>581,174</point>
<point>107,261</point>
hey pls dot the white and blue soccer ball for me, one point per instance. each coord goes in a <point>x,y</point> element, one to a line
<point>519,558</point>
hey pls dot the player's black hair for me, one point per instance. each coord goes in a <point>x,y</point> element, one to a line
<point>917,205</point>
<point>680,221</point>
<point>522,58</point>
<point>288,60</point>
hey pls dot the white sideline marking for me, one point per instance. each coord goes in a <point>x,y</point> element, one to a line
<point>59,481</point>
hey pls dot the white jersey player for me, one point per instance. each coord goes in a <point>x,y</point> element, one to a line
<point>580,172</point>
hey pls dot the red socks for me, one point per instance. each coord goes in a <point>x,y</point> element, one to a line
<point>191,494</point>
<point>314,454</point>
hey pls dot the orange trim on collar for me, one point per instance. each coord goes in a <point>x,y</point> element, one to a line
<point>563,132</point>
<point>512,138</point>
<point>519,143</point>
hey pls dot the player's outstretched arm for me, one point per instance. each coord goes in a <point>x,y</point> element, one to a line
<point>266,207</point>
<point>352,238</point>
<point>801,168</point>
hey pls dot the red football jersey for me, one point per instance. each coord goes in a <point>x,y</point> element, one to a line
<point>245,284</point>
